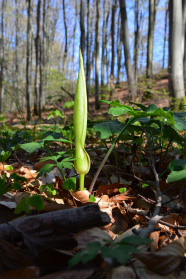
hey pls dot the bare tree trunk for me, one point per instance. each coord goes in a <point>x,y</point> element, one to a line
<point>113,37</point>
<point>152,19</point>
<point>82,27</point>
<point>136,40</point>
<point>184,37</point>
<point>16,48</point>
<point>165,35</point>
<point>97,38</point>
<point>119,48</point>
<point>176,83</point>
<point>88,52</point>
<point>2,52</point>
<point>37,54</point>
<point>74,41</point>
<point>66,37</point>
<point>28,85</point>
<point>128,64</point>
<point>103,46</point>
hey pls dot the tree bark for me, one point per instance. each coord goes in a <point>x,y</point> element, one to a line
<point>165,35</point>
<point>82,27</point>
<point>128,64</point>
<point>88,53</point>
<point>103,46</point>
<point>119,48</point>
<point>66,37</point>
<point>37,54</point>
<point>184,37</point>
<point>49,228</point>
<point>97,38</point>
<point>2,53</point>
<point>113,38</point>
<point>176,82</point>
<point>28,52</point>
<point>136,40</point>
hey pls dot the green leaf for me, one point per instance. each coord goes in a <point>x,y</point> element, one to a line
<point>17,178</point>
<point>9,168</point>
<point>51,139</point>
<point>144,185</point>
<point>122,190</point>
<point>85,256</point>
<point>4,156</point>
<point>120,253</point>
<point>22,206</point>
<point>45,169</point>
<point>70,184</point>
<point>36,201</point>
<point>176,176</point>
<point>177,164</point>
<point>92,198</point>
<point>180,124</point>
<point>117,111</point>
<point>135,240</point>
<point>56,113</point>
<point>16,186</point>
<point>31,146</point>
<point>108,128</point>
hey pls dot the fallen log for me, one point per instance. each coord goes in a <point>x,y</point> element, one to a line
<point>53,229</point>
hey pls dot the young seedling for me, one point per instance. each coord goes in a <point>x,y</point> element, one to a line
<point>82,162</point>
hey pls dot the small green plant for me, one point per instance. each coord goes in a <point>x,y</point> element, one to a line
<point>119,252</point>
<point>82,163</point>
<point>26,203</point>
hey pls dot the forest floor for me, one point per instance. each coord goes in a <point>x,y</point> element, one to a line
<point>50,230</point>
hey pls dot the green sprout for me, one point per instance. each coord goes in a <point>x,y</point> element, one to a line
<point>82,162</point>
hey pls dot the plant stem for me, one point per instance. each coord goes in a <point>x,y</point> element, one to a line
<point>108,153</point>
<point>81,182</point>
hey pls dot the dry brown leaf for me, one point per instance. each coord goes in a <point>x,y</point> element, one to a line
<point>155,237</point>
<point>165,260</point>
<point>122,272</point>
<point>90,235</point>
<point>82,196</point>
<point>109,189</point>
<point>121,197</point>
<point>30,272</point>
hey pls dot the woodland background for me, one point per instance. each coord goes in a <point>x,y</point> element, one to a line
<point>120,40</point>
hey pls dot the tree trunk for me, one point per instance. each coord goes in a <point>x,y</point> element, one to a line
<point>28,46</point>
<point>119,48</point>
<point>165,35</point>
<point>176,82</point>
<point>82,27</point>
<point>103,46</point>
<point>66,37</point>
<point>136,40</point>
<point>152,19</point>
<point>113,38</point>
<point>97,38</point>
<point>2,53</point>
<point>184,37</point>
<point>37,54</point>
<point>128,64</point>
<point>88,53</point>
<point>16,48</point>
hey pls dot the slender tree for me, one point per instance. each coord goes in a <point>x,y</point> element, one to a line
<point>88,51</point>
<point>37,54</point>
<point>176,81</point>
<point>136,40</point>
<point>97,54</point>
<point>113,37</point>
<point>128,63</point>
<point>152,19</point>
<point>2,53</point>
<point>82,27</point>
<point>184,37</point>
<point>66,36</point>
<point>28,53</point>
<point>119,48</point>
<point>165,34</point>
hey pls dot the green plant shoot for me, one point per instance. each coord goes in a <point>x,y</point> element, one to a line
<point>82,162</point>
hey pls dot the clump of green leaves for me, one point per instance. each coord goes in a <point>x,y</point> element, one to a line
<point>119,252</point>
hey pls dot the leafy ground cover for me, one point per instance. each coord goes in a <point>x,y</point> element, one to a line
<point>132,221</point>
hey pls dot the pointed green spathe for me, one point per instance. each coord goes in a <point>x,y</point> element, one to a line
<point>82,162</point>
